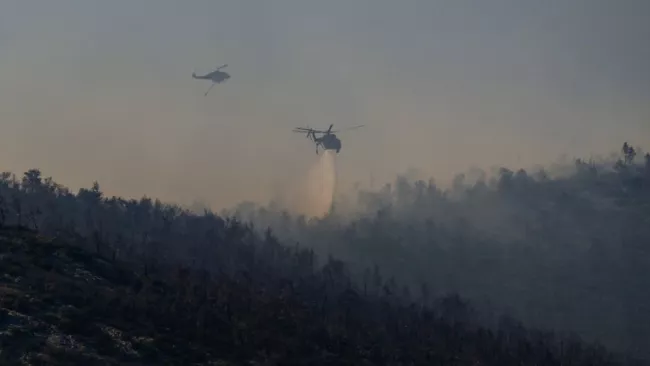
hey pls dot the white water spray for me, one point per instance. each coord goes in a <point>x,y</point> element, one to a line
<point>314,195</point>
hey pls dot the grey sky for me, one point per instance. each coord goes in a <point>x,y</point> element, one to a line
<point>102,90</point>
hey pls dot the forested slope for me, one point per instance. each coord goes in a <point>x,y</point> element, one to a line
<point>108,281</point>
<point>566,248</point>
<point>60,304</point>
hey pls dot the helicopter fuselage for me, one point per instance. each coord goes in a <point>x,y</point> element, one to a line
<point>215,76</point>
<point>328,142</point>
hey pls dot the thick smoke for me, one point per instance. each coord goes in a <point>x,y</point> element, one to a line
<point>563,247</point>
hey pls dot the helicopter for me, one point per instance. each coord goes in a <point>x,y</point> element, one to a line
<point>216,77</point>
<point>328,141</point>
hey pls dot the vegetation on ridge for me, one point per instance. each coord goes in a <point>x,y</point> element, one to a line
<point>61,304</point>
<point>140,281</point>
<point>564,248</point>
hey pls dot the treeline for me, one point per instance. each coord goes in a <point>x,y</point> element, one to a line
<point>367,317</point>
<point>62,305</point>
<point>567,251</point>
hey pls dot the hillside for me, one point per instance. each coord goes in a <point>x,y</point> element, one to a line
<point>89,279</point>
<point>62,305</point>
<point>564,248</point>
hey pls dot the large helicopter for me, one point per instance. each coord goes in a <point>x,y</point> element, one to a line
<point>328,141</point>
<point>217,77</point>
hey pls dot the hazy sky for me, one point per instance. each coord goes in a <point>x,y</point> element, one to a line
<point>103,89</point>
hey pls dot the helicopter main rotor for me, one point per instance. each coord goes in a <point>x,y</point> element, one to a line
<point>329,130</point>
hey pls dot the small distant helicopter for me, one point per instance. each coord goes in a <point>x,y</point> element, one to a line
<point>328,141</point>
<point>216,77</point>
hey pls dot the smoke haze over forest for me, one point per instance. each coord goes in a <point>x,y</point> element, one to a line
<point>566,254</point>
<point>92,90</point>
<point>464,177</point>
